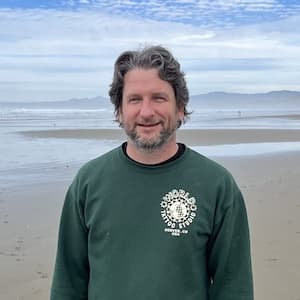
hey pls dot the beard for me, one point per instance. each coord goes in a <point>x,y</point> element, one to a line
<point>152,143</point>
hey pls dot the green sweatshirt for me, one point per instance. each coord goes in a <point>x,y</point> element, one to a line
<point>175,231</point>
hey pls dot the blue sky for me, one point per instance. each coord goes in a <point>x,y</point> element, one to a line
<point>61,49</point>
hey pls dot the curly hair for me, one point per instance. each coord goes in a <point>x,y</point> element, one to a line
<point>149,57</point>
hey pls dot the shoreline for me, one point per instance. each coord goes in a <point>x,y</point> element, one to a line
<point>192,137</point>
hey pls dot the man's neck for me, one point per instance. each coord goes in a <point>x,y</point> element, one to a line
<point>152,157</point>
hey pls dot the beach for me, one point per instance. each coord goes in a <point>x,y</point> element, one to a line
<point>29,214</point>
<point>192,137</point>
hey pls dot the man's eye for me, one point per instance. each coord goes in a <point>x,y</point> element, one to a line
<point>160,98</point>
<point>135,99</point>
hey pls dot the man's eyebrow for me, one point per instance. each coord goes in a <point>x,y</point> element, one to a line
<point>160,94</point>
<point>132,95</point>
<point>155,94</point>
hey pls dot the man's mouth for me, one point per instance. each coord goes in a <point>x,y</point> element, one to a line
<point>148,125</point>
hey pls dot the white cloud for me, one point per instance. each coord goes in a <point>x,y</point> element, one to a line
<point>50,54</point>
<point>204,12</point>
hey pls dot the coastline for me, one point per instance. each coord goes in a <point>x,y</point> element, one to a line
<point>192,137</point>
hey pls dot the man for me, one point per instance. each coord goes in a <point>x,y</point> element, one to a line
<point>152,219</point>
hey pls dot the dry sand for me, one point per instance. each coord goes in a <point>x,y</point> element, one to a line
<point>271,186</point>
<point>29,219</point>
<point>28,229</point>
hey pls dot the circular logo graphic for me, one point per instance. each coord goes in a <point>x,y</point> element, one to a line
<point>178,211</point>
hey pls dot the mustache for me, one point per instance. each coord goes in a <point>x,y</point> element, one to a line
<point>121,124</point>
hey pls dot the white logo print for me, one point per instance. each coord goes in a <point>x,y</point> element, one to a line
<point>178,211</point>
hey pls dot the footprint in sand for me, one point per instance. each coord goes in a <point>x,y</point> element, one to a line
<point>20,242</point>
<point>273,259</point>
<point>42,275</point>
<point>5,217</point>
<point>18,248</point>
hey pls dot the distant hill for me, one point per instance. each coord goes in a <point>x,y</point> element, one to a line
<point>287,100</point>
<point>75,103</point>
<point>275,99</point>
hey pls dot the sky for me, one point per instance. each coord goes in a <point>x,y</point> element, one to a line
<point>62,49</point>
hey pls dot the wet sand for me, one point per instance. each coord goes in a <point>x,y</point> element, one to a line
<point>29,217</point>
<point>192,137</point>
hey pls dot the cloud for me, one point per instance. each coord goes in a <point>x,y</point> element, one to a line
<point>208,13</point>
<point>50,54</point>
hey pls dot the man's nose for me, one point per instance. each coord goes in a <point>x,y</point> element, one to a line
<point>146,108</point>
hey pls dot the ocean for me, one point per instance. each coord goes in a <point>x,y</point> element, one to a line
<point>26,159</point>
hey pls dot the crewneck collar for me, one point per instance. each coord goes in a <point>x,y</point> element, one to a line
<point>179,153</point>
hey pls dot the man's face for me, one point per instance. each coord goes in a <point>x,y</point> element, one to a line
<point>148,113</point>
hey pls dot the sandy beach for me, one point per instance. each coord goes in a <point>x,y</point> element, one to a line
<point>29,215</point>
<point>192,137</point>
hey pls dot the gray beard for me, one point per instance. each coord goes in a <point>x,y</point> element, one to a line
<point>150,145</point>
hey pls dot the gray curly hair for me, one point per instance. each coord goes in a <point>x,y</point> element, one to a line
<point>149,57</point>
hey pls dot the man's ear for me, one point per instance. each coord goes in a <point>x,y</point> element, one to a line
<point>119,116</point>
<point>181,113</point>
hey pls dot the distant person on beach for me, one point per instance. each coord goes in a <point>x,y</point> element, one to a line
<point>152,219</point>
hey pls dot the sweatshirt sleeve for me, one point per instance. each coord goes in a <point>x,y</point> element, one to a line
<point>229,260</point>
<point>71,273</point>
